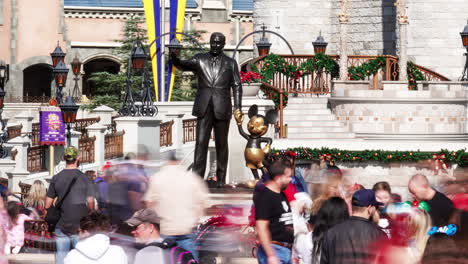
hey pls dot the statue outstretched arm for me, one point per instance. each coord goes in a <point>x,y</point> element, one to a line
<point>184,65</point>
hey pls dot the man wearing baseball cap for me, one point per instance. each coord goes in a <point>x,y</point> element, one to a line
<point>354,240</point>
<point>146,223</point>
<point>75,196</point>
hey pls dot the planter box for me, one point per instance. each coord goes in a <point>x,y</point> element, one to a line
<point>250,89</point>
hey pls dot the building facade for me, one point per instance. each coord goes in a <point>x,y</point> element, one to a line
<point>87,29</point>
<point>433,38</point>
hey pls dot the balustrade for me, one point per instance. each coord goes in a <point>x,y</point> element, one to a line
<point>165,135</point>
<point>14,131</point>
<point>37,158</point>
<point>113,144</point>
<point>86,148</point>
<point>190,129</point>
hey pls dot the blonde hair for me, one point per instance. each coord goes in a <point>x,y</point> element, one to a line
<point>326,193</point>
<point>36,195</point>
<point>419,224</point>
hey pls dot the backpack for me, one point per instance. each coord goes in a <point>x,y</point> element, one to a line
<point>174,254</point>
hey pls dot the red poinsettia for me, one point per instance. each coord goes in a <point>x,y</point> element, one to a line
<point>250,77</point>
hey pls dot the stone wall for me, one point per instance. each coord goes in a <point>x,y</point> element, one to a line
<point>371,27</point>
<point>433,31</point>
<point>434,35</point>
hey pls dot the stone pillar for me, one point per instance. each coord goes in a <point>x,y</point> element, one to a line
<point>141,135</point>
<point>20,172</point>
<point>20,144</point>
<point>343,17</point>
<point>105,113</point>
<point>98,130</point>
<point>402,19</point>
<point>177,129</point>
<point>25,119</point>
<point>75,138</point>
<point>6,165</point>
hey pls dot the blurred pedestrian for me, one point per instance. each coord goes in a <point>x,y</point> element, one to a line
<point>36,197</point>
<point>94,246</point>
<point>74,191</point>
<point>15,235</point>
<point>383,194</point>
<point>154,247</point>
<point>441,208</point>
<point>309,245</point>
<point>354,240</point>
<point>179,197</point>
<point>274,223</point>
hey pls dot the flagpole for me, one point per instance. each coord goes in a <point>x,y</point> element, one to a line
<point>163,47</point>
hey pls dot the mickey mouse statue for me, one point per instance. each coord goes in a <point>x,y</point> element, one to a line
<point>257,127</point>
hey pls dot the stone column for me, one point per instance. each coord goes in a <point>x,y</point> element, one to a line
<point>343,17</point>
<point>402,19</point>
<point>75,138</point>
<point>177,129</point>
<point>105,113</point>
<point>25,119</point>
<point>98,130</point>
<point>20,172</point>
<point>20,144</point>
<point>141,135</point>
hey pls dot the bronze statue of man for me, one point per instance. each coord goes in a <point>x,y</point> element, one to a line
<point>217,74</point>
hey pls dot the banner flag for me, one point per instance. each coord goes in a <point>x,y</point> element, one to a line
<point>176,24</point>
<point>51,126</point>
<point>153,22</point>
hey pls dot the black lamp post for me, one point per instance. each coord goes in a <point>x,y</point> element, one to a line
<point>76,67</point>
<point>69,110</point>
<point>138,60</point>
<point>57,55</point>
<point>4,76</point>
<point>60,75</point>
<point>320,45</point>
<point>263,45</point>
<point>464,36</point>
<point>174,47</point>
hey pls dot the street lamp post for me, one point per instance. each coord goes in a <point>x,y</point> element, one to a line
<point>138,60</point>
<point>76,67</point>
<point>464,36</point>
<point>60,72</point>
<point>4,77</point>
<point>69,110</point>
<point>263,45</point>
<point>320,45</point>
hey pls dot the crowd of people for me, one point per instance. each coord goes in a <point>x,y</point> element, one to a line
<point>339,222</point>
<point>128,214</point>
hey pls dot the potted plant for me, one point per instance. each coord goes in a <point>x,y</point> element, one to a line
<point>251,82</point>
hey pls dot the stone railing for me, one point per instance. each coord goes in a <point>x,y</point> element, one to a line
<point>86,148</point>
<point>14,131</point>
<point>36,159</point>
<point>113,145</point>
<point>190,131</point>
<point>81,124</point>
<point>166,133</point>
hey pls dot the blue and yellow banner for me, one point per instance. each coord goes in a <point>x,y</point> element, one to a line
<point>176,24</point>
<point>153,21</point>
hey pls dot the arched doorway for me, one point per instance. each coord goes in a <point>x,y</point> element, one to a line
<point>37,80</point>
<point>97,65</point>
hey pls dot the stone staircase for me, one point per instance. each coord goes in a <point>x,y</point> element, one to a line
<point>310,118</point>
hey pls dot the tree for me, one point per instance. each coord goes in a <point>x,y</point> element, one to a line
<point>110,88</point>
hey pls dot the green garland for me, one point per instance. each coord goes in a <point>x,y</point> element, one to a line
<point>459,157</point>
<point>414,75</point>
<point>276,99</point>
<point>366,69</point>
<point>275,63</point>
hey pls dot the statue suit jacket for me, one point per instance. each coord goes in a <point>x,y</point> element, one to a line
<point>216,77</point>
